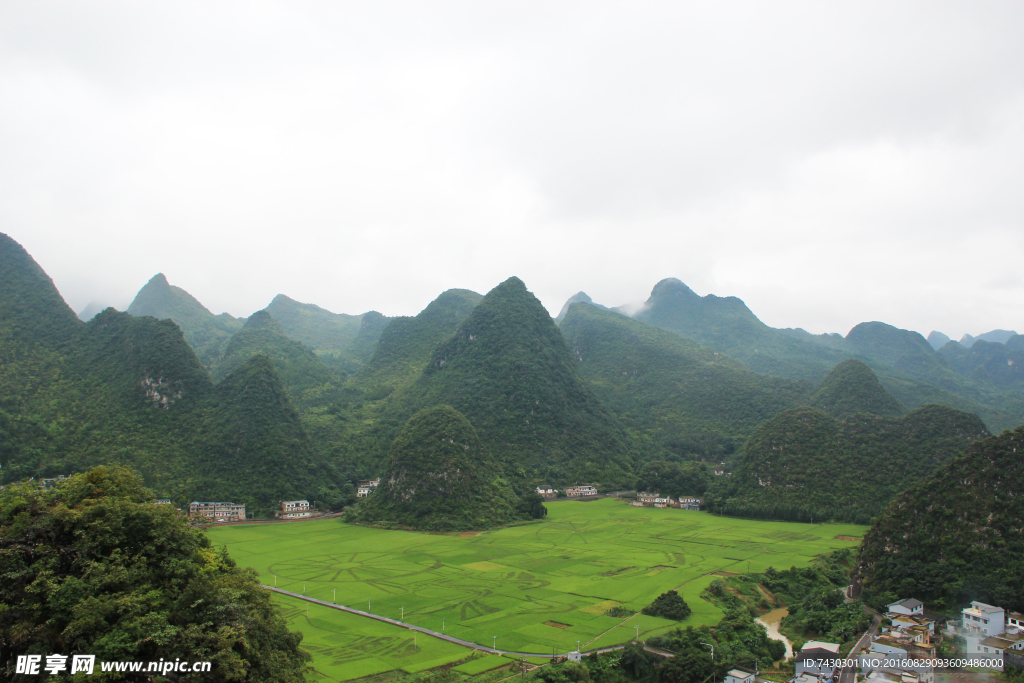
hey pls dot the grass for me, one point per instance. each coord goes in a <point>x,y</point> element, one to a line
<point>583,560</point>
<point>477,666</point>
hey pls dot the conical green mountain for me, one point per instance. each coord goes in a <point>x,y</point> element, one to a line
<point>406,345</point>
<point>682,398</point>
<point>510,372</point>
<point>205,332</point>
<point>956,535</point>
<point>253,447</point>
<point>852,388</point>
<point>342,341</point>
<point>306,379</point>
<point>440,477</point>
<point>805,464</point>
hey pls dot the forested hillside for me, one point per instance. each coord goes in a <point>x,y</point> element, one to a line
<point>340,340</point>
<point>205,332</point>
<point>508,370</point>
<point>906,363</point>
<point>805,464</point>
<point>677,398</point>
<point>852,388</point>
<point>125,389</point>
<point>956,535</point>
<point>441,477</point>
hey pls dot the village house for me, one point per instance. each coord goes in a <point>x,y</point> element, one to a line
<point>546,491</point>
<point>662,502</point>
<point>294,509</point>
<point>217,511</point>
<point>996,647</point>
<point>1015,620</point>
<point>815,658</point>
<point>646,498</point>
<point>162,501</point>
<point>690,502</point>
<point>910,606</point>
<point>365,488</point>
<point>739,676</point>
<point>584,491</point>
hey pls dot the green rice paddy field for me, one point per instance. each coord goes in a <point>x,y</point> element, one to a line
<point>538,588</point>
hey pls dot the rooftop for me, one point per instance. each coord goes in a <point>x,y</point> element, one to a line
<point>740,673</point>
<point>910,603</point>
<point>294,502</point>
<point>982,607</point>
<point>818,645</point>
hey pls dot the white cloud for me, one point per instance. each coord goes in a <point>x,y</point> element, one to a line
<point>827,163</point>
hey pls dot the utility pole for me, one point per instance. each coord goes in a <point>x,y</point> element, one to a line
<point>637,627</point>
<point>442,624</point>
<point>713,677</point>
<point>494,645</point>
<point>403,612</point>
<point>303,587</point>
<point>334,600</point>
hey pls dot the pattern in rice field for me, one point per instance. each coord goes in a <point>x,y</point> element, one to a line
<point>570,569</point>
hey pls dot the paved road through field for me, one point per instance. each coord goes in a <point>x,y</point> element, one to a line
<point>444,636</point>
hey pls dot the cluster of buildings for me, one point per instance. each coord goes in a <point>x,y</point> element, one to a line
<point>220,511</point>
<point>992,632</point>
<point>906,652</point>
<point>585,491</point>
<point>646,499</point>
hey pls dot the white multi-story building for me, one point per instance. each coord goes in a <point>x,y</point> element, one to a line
<point>815,657</point>
<point>367,487</point>
<point>980,618</point>
<point>909,606</point>
<point>581,491</point>
<point>294,509</point>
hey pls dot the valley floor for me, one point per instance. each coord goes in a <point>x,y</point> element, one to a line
<point>536,588</point>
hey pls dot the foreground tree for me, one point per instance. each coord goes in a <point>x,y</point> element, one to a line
<point>94,567</point>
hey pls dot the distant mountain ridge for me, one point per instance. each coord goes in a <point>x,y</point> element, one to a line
<point>908,365</point>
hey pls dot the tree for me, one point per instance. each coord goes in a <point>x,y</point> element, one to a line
<point>94,566</point>
<point>669,605</point>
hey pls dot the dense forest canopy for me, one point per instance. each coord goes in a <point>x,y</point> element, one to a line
<point>93,566</point>
<point>956,535</point>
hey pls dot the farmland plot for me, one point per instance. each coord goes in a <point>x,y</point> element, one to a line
<point>536,588</point>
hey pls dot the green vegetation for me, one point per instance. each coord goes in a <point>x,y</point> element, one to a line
<point>954,536</point>
<point>805,464</point>
<point>508,370</point>
<point>340,340</point>
<point>535,587</point>
<point>853,388</point>
<point>669,605</point>
<point>205,332</point>
<point>440,478</point>
<point>677,399</point>
<point>308,381</point>
<point>130,390</point>
<point>94,566</point>
<point>674,479</point>
<point>907,365</point>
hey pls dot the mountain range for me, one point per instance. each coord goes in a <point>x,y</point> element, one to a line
<point>298,402</point>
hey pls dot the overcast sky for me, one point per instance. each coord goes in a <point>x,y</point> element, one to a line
<point>827,162</point>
